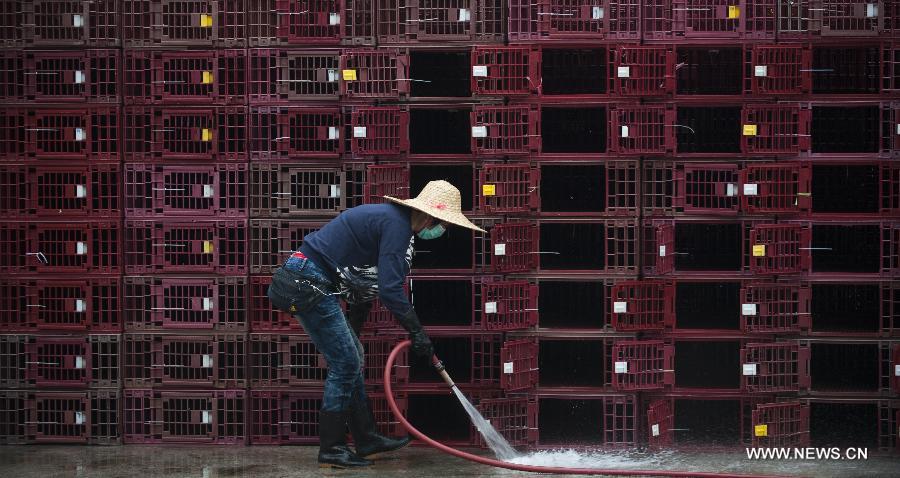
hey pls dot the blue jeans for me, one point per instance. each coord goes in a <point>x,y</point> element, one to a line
<point>319,312</point>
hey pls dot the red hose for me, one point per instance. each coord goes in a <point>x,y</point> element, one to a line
<point>536,469</point>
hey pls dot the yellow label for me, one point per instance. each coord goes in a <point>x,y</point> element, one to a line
<point>759,250</point>
<point>489,189</point>
<point>206,21</point>
<point>349,75</point>
<point>207,77</point>
<point>207,247</point>
<point>749,130</point>
<point>205,135</point>
<point>734,12</point>
<point>761,430</point>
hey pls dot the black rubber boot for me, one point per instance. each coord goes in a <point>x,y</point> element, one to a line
<point>333,449</point>
<point>365,434</point>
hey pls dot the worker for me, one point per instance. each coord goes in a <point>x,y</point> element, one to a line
<point>365,252</point>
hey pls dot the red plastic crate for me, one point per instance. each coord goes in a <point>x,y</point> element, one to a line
<point>367,74</point>
<point>774,367</point>
<point>379,130</point>
<point>508,305</point>
<point>186,246</point>
<point>60,191</point>
<point>208,133</point>
<point>643,365</point>
<point>88,304</point>
<point>155,190</point>
<point>278,22</point>
<point>709,19</point>
<point>60,133</point>
<point>386,180</point>
<point>14,412</point>
<point>702,188</point>
<point>780,249</point>
<point>782,188</point>
<point>519,360</point>
<point>263,316</point>
<point>60,417</point>
<point>843,18</point>
<point>778,70</point>
<point>506,71</point>
<point>82,247</point>
<point>152,360</point>
<point>505,130</point>
<point>282,417</point>
<point>775,308</point>
<point>201,23</point>
<point>155,416</point>
<point>509,189</point>
<point>420,21</point>
<point>643,70</point>
<point>513,417</point>
<point>781,129</point>
<point>290,133</point>
<point>60,23</point>
<point>73,362</point>
<point>514,247</point>
<point>163,303</point>
<point>642,130</point>
<point>185,77</point>
<point>272,241</point>
<point>60,76</point>
<point>13,358</point>
<point>614,421</point>
<point>473,359</point>
<point>277,75</point>
<point>643,305</point>
<point>285,190</point>
<point>660,423</point>
<point>781,425</point>
<point>567,20</point>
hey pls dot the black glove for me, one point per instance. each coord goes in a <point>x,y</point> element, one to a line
<point>421,344</point>
<point>357,314</point>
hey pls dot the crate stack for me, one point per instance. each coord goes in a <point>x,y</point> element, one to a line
<point>60,176</point>
<point>185,285</point>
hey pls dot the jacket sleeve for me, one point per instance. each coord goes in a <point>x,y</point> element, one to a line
<point>395,252</point>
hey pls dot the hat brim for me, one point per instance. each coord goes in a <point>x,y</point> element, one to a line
<point>451,217</point>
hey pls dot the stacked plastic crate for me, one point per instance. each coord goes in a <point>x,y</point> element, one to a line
<point>60,237</point>
<point>185,288</point>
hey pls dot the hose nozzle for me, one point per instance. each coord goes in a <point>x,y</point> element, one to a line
<point>442,371</point>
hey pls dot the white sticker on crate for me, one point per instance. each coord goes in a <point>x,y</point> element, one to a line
<point>479,131</point>
<point>761,70</point>
<point>654,430</point>
<point>80,191</point>
<point>208,191</point>
<point>334,191</point>
<point>80,248</point>
<point>749,369</point>
<point>207,303</point>
<point>751,189</point>
<point>79,362</point>
<point>207,361</point>
<point>662,251</point>
<point>500,249</point>
<point>359,131</point>
<point>207,417</point>
<point>871,10</point>
<point>730,190</point>
<point>620,307</point>
<point>464,15</point>
<point>332,75</point>
<point>479,71</point>
<point>748,309</point>
<point>79,134</point>
<point>77,21</point>
<point>621,367</point>
<point>597,13</point>
<point>79,418</point>
<point>79,77</point>
<point>332,132</point>
<point>623,72</point>
<point>508,367</point>
<point>624,131</point>
<point>334,19</point>
<point>897,370</point>
<point>898,128</point>
<point>490,307</point>
<point>80,305</point>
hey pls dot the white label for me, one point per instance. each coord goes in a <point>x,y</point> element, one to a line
<point>79,418</point>
<point>464,15</point>
<point>748,309</point>
<point>359,131</point>
<point>207,417</point>
<point>479,131</point>
<point>507,367</point>
<point>77,21</point>
<point>624,131</point>
<point>654,430</point>
<point>898,128</point>
<point>597,13</point>
<point>334,19</point>
<point>662,251</point>
<point>80,305</point>
<point>207,304</point>
<point>332,132</point>
<point>479,71</point>
<point>79,77</point>
<point>207,361</point>
<point>499,249</point>
<point>332,75</point>
<point>208,191</point>
<point>751,189</point>
<point>871,10</point>
<point>897,370</point>
<point>623,72</point>
<point>749,369</point>
<point>80,191</point>
<point>620,307</point>
<point>79,134</point>
<point>79,362</point>
<point>334,191</point>
<point>761,70</point>
<point>490,307</point>
<point>80,248</point>
<point>621,367</point>
<point>730,190</point>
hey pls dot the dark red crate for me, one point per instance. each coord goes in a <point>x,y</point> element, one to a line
<point>90,133</point>
<point>643,305</point>
<point>73,362</point>
<point>60,76</point>
<point>643,365</point>
<point>263,316</point>
<point>163,303</point>
<point>618,253</point>
<point>513,417</point>
<point>519,360</point>
<point>201,23</point>
<point>285,190</point>
<point>155,416</point>
<point>774,367</point>
<point>60,23</point>
<point>420,21</point>
<point>60,191</point>
<point>281,133</point>
<point>840,18</point>
<point>643,70</point>
<point>717,20</point>
<point>57,247</point>
<point>272,241</point>
<point>505,130</point>
<point>568,20</point>
<point>778,70</point>
<point>642,130</point>
<point>209,133</point>
<point>156,190</point>
<point>185,77</point>
<point>781,129</point>
<point>90,417</point>
<point>277,22</point>
<point>279,75</point>
<point>611,420</point>
<point>775,308</point>
<point>506,71</point>
<point>780,249</point>
<point>509,188</point>
<point>782,188</point>
<point>13,360</point>
<point>473,359</point>
<point>152,360</point>
<point>282,417</point>
<point>379,130</point>
<point>186,246</point>
<point>508,305</point>
<point>514,247</point>
<point>84,305</point>
<point>368,74</point>
<point>386,180</point>
<point>14,417</point>
<point>781,425</point>
<point>610,188</point>
<point>660,423</point>
<point>733,414</point>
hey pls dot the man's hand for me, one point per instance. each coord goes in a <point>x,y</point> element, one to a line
<point>421,345</point>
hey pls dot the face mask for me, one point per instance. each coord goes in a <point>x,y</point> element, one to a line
<point>432,232</point>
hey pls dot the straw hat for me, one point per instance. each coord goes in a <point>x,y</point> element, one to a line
<point>440,200</point>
